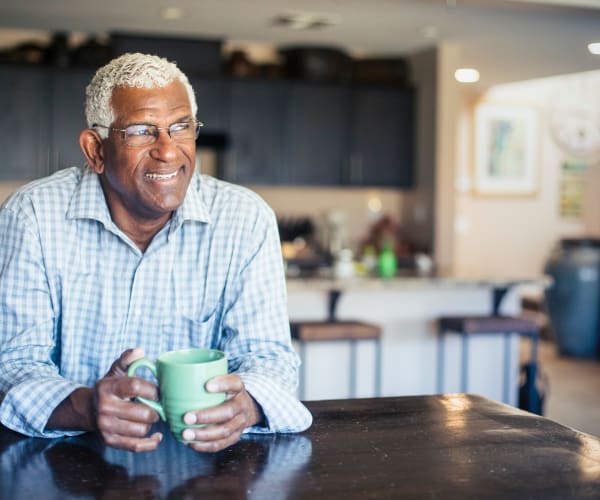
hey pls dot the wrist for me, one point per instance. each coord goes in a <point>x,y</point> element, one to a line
<point>257,415</point>
<point>76,412</point>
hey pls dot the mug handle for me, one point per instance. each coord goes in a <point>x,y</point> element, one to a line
<point>151,365</point>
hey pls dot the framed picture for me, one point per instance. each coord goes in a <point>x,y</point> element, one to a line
<point>505,150</point>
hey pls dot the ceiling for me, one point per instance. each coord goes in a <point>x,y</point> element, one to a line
<point>507,40</point>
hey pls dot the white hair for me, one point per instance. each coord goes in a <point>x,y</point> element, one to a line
<point>129,70</point>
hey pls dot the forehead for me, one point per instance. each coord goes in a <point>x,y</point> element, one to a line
<point>170,101</point>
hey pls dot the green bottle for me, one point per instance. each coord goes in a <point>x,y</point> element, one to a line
<point>386,262</point>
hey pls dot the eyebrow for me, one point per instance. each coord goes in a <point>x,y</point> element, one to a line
<point>186,118</point>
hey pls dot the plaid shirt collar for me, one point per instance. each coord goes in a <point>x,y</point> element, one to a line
<point>88,202</point>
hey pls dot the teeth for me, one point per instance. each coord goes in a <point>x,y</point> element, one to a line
<point>161,177</point>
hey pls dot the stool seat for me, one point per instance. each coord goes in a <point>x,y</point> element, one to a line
<point>334,330</point>
<point>488,324</point>
<point>468,325</point>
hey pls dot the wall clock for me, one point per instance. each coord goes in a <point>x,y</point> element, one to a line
<point>576,131</point>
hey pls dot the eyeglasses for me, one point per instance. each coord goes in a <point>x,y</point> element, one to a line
<point>143,134</point>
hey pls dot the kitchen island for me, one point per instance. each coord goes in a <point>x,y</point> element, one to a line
<point>407,309</point>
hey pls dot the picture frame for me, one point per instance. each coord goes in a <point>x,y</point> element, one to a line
<point>505,150</point>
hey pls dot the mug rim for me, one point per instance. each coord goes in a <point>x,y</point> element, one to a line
<point>165,357</point>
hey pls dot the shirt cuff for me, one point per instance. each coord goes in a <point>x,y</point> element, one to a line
<point>283,412</point>
<point>27,407</point>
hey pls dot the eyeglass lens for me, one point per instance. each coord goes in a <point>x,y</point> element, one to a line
<point>142,134</point>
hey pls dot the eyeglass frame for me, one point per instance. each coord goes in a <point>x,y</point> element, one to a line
<point>198,124</point>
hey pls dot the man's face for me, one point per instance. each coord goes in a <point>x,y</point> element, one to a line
<point>147,183</point>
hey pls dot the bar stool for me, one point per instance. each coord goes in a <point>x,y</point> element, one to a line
<point>333,330</point>
<point>467,326</point>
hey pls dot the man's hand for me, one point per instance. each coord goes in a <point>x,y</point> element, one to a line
<point>108,408</point>
<point>122,422</point>
<point>225,423</point>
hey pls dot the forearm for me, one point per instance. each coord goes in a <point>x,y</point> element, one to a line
<point>76,412</point>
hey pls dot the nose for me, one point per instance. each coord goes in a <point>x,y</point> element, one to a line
<point>164,148</point>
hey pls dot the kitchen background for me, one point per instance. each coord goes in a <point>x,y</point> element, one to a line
<point>532,58</point>
<point>439,212</point>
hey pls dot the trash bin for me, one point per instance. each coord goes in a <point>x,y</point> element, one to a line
<point>573,298</point>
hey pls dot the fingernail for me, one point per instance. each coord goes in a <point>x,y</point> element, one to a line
<point>189,418</point>
<point>188,434</point>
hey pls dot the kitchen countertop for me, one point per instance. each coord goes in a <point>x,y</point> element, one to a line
<point>409,281</point>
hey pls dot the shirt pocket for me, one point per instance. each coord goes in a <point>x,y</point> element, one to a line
<point>182,332</point>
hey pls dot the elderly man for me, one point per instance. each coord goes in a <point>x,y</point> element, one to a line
<point>136,254</point>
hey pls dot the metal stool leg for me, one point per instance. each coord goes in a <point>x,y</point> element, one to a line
<point>464,371</point>
<point>506,383</point>
<point>378,367</point>
<point>441,362</point>
<point>353,368</point>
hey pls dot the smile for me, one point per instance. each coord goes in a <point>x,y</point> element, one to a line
<point>161,177</point>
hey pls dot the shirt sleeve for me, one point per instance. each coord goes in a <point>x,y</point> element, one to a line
<point>30,384</point>
<point>257,333</point>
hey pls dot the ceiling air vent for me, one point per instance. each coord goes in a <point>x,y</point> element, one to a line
<point>306,20</point>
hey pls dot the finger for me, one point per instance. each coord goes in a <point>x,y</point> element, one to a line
<point>230,431</point>
<point>131,443</point>
<point>113,399</point>
<point>129,411</point>
<point>215,415</point>
<point>126,388</point>
<point>122,425</point>
<point>230,383</point>
<point>119,367</point>
<point>216,445</point>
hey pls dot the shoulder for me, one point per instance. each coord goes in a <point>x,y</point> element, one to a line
<point>235,201</point>
<point>48,193</point>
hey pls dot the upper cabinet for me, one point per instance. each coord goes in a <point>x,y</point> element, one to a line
<point>275,132</point>
<point>212,103</point>
<point>316,134</point>
<point>382,137</point>
<point>256,115</point>
<point>24,123</point>
<point>67,112</point>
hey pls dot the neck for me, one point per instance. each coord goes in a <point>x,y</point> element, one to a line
<point>139,230</point>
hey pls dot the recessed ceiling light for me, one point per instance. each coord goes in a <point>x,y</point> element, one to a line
<point>171,13</point>
<point>430,31</point>
<point>466,75</point>
<point>594,48</point>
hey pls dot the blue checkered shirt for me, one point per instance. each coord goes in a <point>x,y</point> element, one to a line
<point>75,292</point>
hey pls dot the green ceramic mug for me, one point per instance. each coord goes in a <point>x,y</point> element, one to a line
<point>181,377</point>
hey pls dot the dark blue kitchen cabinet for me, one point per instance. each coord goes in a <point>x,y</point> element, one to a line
<point>67,112</point>
<point>255,128</point>
<point>316,134</point>
<point>211,97</point>
<point>271,132</point>
<point>24,123</point>
<point>382,137</point>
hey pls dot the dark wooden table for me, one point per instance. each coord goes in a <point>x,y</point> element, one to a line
<point>448,446</point>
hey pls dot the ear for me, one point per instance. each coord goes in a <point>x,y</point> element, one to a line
<point>91,145</point>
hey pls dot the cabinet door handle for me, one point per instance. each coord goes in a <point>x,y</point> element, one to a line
<point>355,168</point>
<point>232,170</point>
